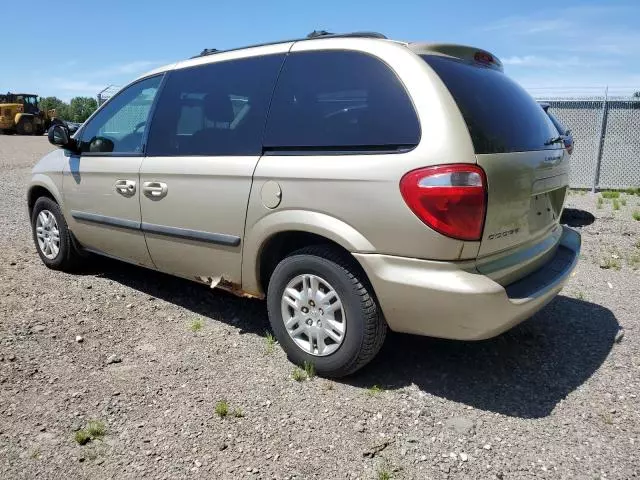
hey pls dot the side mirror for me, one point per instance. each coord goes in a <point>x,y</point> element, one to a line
<point>59,136</point>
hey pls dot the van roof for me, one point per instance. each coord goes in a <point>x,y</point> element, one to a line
<point>316,34</point>
<point>462,52</point>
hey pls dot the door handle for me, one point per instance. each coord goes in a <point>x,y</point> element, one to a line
<point>125,187</point>
<point>155,189</point>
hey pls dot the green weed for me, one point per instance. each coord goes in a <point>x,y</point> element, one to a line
<point>222,409</point>
<point>96,429</point>
<point>82,437</point>
<point>610,194</point>
<point>238,413</point>
<point>298,375</point>
<point>375,390</point>
<point>196,325</point>
<point>309,369</point>
<point>270,341</point>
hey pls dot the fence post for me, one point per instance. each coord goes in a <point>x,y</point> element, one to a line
<point>603,128</point>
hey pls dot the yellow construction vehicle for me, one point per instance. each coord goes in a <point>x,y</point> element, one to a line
<point>19,113</point>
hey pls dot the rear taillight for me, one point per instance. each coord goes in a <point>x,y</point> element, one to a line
<point>569,146</point>
<point>451,199</point>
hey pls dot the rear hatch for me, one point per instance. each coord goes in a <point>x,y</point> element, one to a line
<point>516,144</point>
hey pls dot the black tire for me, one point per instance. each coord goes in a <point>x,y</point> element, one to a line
<point>68,258</point>
<point>366,327</point>
<point>25,126</point>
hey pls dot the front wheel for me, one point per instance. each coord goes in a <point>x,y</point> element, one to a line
<point>323,311</point>
<point>52,236</point>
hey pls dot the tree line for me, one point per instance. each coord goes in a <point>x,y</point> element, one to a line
<point>77,110</point>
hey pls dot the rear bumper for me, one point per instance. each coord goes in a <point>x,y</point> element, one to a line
<point>449,300</point>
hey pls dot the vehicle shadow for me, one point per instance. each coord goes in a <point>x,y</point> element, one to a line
<point>524,372</point>
<point>249,315</point>
<point>574,217</point>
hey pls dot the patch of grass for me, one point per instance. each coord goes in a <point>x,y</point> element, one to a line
<point>636,215</point>
<point>623,201</point>
<point>630,191</point>
<point>608,263</point>
<point>271,341</point>
<point>616,204</point>
<point>238,413</point>
<point>82,437</point>
<point>607,418</point>
<point>599,202</point>
<point>35,453</point>
<point>96,429</point>
<point>196,325</point>
<point>222,409</point>
<point>309,369</point>
<point>580,296</point>
<point>298,375</point>
<point>383,473</point>
<point>634,261</point>
<point>375,390</point>
<point>610,194</point>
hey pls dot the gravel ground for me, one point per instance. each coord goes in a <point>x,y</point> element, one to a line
<point>557,397</point>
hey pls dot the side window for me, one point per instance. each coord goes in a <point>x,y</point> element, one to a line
<point>214,109</point>
<point>120,125</point>
<point>333,99</point>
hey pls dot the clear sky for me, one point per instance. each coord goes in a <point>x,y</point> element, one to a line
<point>547,45</point>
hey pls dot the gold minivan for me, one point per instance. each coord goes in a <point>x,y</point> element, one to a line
<point>356,182</point>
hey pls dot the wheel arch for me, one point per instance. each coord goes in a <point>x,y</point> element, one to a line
<point>42,186</point>
<point>281,233</point>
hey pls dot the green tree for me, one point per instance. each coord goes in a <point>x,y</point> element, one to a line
<point>81,108</point>
<point>637,94</point>
<point>61,108</point>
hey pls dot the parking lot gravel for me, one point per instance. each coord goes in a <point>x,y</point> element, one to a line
<point>121,372</point>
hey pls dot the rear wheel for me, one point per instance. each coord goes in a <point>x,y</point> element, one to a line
<point>52,236</point>
<point>25,126</point>
<point>323,311</point>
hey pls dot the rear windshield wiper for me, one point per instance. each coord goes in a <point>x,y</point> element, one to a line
<point>551,141</point>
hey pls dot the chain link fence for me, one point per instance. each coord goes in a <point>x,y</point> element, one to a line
<point>606,131</point>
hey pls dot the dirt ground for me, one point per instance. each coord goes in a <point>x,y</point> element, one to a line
<point>556,397</point>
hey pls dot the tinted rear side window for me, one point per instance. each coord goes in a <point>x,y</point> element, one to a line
<point>214,109</point>
<point>501,116</point>
<point>332,100</point>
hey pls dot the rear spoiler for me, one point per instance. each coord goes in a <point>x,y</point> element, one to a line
<point>472,55</point>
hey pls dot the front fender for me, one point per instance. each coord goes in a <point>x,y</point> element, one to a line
<point>47,174</point>
<point>294,221</point>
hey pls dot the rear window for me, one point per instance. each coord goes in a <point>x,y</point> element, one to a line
<point>501,116</point>
<point>561,128</point>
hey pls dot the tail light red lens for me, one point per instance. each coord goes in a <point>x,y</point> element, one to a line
<point>451,199</point>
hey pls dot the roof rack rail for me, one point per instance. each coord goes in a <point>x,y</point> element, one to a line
<point>324,33</point>
<point>312,36</point>
<point>206,51</point>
